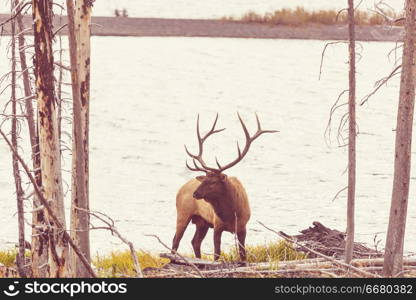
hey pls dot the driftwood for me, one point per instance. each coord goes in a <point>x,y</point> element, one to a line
<point>182,257</point>
<point>199,263</point>
<point>332,272</point>
<point>325,249</point>
<point>296,268</point>
<point>8,272</point>
<point>328,258</point>
<point>329,242</point>
<point>304,265</point>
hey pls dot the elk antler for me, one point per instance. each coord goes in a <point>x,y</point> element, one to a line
<point>198,158</point>
<point>249,140</point>
<point>241,154</point>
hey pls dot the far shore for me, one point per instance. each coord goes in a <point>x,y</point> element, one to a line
<point>157,27</point>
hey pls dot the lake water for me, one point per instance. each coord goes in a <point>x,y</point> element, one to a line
<point>146,94</point>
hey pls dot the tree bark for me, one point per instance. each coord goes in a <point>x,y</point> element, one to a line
<point>79,19</point>
<point>20,258</point>
<point>349,245</point>
<point>393,257</point>
<point>48,135</point>
<point>39,251</point>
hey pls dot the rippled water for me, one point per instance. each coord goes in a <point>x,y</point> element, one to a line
<point>146,93</point>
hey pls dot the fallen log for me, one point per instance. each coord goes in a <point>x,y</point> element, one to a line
<point>200,263</point>
<point>380,261</point>
<point>317,263</point>
<point>330,272</point>
<point>324,267</point>
<point>355,262</point>
<point>302,261</point>
<point>362,264</point>
<point>236,273</point>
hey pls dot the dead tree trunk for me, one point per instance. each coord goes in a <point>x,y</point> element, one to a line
<point>20,258</point>
<point>47,206</point>
<point>79,19</point>
<point>39,239</point>
<point>393,261</point>
<point>59,88</point>
<point>48,135</point>
<point>349,246</point>
<point>26,79</point>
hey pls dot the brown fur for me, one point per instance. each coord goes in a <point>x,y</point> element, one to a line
<point>223,205</point>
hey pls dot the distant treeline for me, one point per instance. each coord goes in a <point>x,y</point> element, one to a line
<point>300,16</point>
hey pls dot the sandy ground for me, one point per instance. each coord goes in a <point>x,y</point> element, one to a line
<point>110,26</point>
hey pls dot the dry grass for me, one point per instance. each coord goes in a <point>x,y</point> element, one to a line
<point>120,263</point>
<point>272,252</point>
<point>8,257</point>
<point>302,17</point>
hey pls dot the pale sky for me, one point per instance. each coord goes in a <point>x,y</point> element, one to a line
<point>209,8</point>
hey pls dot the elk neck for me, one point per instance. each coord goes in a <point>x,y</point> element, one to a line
<point>224,206</point>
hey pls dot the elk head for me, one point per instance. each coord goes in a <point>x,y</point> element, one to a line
<point>213,184</point>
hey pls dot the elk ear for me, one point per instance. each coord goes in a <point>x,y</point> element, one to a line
<point>223,177</point>
<point>200,178</point>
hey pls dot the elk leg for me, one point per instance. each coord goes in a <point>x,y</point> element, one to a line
<point>241,235</point>
<point>200,233</point>
<point>181,225</point>
<point>217,243</point>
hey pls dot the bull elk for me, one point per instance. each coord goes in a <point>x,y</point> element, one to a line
<point>214,200</point>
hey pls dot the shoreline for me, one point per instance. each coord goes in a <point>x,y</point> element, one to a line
<point>158,27</point>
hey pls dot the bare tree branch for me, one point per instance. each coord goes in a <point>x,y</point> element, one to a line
<point>112,228</point>
<point>379,84</point>
<point>51,213</point>
<point>175,252</point>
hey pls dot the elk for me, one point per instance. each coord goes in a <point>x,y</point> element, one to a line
<point>214,200</point>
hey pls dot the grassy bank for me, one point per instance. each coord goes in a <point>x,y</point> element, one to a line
<point>302,17</point>
<point>120,263</point>
<point>294,24</point>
